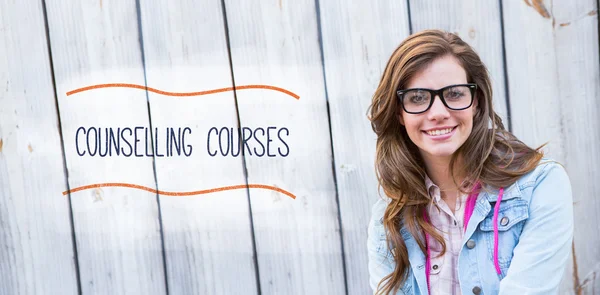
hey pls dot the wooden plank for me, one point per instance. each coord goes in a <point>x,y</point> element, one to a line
<point>298,240</point>
<point>117,228</point>
<point>36,250</point>
<point>553,77</point>
<point>478,24</point>
<point>357,40</point>
<point>578,72</point>
<point>207,237</point>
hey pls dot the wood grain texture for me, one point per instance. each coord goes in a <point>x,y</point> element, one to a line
<point>357,42</point>
<point>207,237</point>
<point>578,72</point>
<point>553,68</point>
<point>117,229</point>
<point>298,240</point>
<point>36,250</point>
<point>478,24</point>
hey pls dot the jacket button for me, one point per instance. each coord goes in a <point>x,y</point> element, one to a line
<point>476,290</point>
<point>435,267</point>
<point>471,244</point>
<point>504,221</point>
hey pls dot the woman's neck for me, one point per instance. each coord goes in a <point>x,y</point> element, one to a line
<point>438,170</point>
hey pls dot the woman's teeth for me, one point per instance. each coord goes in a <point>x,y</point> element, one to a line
<point>439,132</point>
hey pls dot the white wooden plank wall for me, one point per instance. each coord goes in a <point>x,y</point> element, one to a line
<point>117,229</point>
<point>552,63</point>
<point>36,250</point>
<point>252,241</point>
<point>357,43</point>
<point>577,57</point>
<point>207,237</point>
<point>298,240</point>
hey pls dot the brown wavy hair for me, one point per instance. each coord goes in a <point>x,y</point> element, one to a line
<point>491,155</point>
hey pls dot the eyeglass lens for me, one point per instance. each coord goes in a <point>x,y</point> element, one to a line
<point>458,97</point>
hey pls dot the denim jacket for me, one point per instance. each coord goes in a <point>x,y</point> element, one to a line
<point>535,231</point>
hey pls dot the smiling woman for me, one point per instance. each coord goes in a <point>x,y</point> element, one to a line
<point>468,207</point>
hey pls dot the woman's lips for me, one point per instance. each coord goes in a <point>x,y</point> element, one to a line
<point>441,137</point>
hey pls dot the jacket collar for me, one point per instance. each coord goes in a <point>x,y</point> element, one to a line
<point>486,196</point>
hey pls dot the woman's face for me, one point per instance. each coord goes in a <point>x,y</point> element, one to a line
<point>440,73</point>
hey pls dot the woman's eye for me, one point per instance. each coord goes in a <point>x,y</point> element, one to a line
<point>417,98</point>
<point>454,94</point>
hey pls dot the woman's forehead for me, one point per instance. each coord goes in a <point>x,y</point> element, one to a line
<point>441,72</point>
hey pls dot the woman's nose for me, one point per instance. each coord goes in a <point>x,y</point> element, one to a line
<point>438,110</point>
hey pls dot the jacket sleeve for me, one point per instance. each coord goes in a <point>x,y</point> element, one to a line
<point>540,257</point>
<point>381,261</point>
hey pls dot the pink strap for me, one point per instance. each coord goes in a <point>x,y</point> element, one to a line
<point>495,221</point>
<point>471,200</point>
<point>470,206</point>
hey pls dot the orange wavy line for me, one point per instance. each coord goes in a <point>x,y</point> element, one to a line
<point>200,192</point>
<point>126,85</point>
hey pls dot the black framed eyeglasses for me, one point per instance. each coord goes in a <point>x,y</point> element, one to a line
<point>419,100</point>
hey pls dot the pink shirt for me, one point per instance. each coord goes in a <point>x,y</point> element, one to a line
<point>444,273</point>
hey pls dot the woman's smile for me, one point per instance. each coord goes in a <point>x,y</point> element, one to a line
<point>439,131</point>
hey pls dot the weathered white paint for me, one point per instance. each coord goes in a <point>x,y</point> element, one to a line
<point>207,237</point>
<point>478,24</point>
<point>357,43</point>
<point>578,66</point>
<point>117,229</point>
<point>298,240</point>
<point>553,68</point>
<point>554,80</point>
<point>36,250</point>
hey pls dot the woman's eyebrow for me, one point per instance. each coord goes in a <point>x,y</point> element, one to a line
<point>417,87</point>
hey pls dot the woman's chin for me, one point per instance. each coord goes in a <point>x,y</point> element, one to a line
<point>440,153</point>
